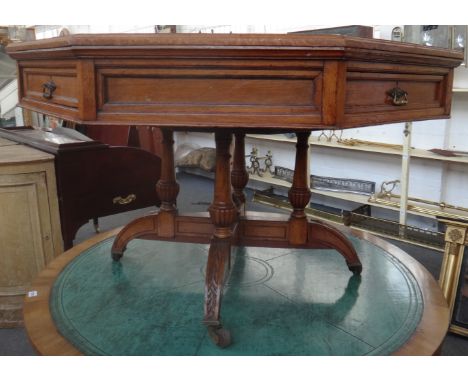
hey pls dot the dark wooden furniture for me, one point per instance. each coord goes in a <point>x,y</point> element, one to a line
<point>94,179</point>
<point>113,135</point>
<point>145,137</point>
<point>232,85</point>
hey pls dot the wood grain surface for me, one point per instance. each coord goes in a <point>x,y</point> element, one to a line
<point>268,83</point>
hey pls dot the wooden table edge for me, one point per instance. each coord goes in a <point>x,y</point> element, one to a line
<point>38,321</point>
<point>426,340</point>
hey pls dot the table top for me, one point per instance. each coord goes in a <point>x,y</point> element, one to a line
<point>261,83</point>
<point>278,301</point>
<point>96,45</point>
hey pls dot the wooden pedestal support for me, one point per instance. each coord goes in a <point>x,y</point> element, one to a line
<point>228,224</point>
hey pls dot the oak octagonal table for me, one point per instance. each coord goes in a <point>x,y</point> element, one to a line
<point>232,85</point>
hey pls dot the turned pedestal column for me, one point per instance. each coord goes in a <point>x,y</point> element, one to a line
<point>299,193</point>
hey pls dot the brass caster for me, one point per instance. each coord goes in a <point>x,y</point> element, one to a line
<point>220,336</point>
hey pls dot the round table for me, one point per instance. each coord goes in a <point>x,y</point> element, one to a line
<point>277,301</point>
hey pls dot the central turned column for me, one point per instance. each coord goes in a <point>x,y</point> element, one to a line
<point>299,194</point>
<point>167,187</point>
<point>222,211</point>
<point>224,214</point>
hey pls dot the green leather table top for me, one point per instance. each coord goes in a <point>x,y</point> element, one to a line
<point>277,301</point>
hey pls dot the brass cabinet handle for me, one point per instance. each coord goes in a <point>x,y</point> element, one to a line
<point>399,96</point>
<point>48,89</point>
<point>119,200</point>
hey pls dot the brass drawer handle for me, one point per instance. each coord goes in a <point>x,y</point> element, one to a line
<point>48,89</point>
<point>399,96</point>
<point>119,200</point>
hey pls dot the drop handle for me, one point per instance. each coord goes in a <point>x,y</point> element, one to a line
<point>48,89</point>
<point>399,97</point>
<point>127,200</point>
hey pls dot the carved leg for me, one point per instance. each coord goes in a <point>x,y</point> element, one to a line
<point>299,193</point>
<point>223,214</point>
<point>239,175</point>
<point>218,260</point>
<point>162,224</point>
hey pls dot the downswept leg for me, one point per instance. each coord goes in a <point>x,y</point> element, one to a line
<point>313,234</point>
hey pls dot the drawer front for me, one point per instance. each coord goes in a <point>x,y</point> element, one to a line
<point>386,95</point>
<point>100,204</point>
<point>212,96</point>
<point>51,89</point>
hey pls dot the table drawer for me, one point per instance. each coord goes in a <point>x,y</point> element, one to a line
<point>215,96</point>
<point>51,88</point>
<point>385,95</point>
<point>376,97</point>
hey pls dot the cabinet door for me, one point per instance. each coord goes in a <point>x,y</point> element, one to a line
<point>26,244</point>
